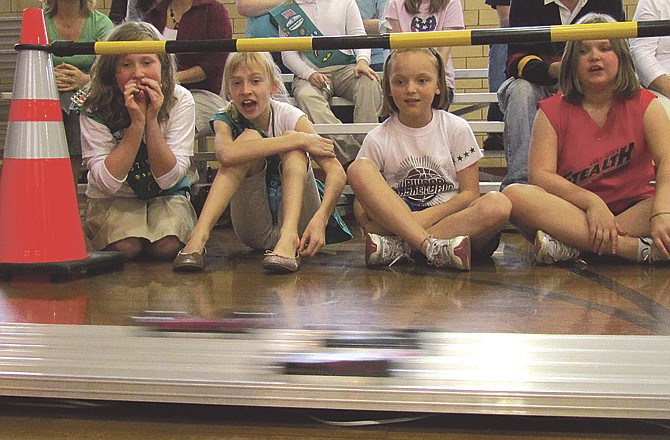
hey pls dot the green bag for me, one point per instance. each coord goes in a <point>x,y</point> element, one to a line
<point>336,230</point>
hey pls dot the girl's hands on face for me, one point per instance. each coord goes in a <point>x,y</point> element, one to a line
<point>152,90</point>
<point>143,99</point>
<point>136,101</point>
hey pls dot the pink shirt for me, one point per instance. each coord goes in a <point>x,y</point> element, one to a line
<point>451,17</point>
<point>613,161</point>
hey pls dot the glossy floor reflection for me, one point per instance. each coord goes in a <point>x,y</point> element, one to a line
<point>334,290</point>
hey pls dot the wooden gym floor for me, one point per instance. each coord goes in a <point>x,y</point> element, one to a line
<point>508,293</point>
<point>334,290</point>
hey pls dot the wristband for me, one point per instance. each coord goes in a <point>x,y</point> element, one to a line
<point>659,213</point>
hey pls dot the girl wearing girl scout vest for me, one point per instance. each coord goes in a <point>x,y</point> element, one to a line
<point>137,141</point>
<point>264,148</point>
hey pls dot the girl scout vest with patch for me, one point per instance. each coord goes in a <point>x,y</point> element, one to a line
<point>336,230</point>
<point>295,23</point>
<point>140,178</point>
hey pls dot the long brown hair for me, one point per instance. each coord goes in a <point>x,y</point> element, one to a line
<point>413,6</point>
<point>86,7</point>
<point>626,83</point>
<point>106,99</point>
<point>440,101</point>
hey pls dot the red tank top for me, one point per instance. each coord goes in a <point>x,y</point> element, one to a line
<point>613,161</point>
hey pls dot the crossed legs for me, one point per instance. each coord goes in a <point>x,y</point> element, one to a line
<point>534,208</point>
<point>381,211</point>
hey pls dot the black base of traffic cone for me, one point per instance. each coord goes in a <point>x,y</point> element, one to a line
<point>98,262</point>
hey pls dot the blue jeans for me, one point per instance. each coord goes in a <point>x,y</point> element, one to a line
<point>497,60</point>
<point>518,100</point>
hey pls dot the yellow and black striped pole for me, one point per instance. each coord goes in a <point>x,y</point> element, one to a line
<point>469,37</point>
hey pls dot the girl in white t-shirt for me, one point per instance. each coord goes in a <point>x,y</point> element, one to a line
<point>262,145</point>
<point>416,178</point>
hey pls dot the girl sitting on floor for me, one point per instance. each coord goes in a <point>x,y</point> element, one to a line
<point>594,151</point>
<point>416,178</point>
<point>263,144</point>
<point>137,142</point>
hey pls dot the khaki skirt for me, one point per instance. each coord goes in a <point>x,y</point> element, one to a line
<point>114,219</point>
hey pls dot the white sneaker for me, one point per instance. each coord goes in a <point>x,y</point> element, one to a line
<point>452,252</point>
<point>548,250</point>
<point>647,252</point>
<point>385,249</point>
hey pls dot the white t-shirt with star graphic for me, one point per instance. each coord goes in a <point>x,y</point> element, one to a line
<point>420,164</point>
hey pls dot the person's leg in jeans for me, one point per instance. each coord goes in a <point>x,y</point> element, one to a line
<point>497,59</point>
<point>518,100</point>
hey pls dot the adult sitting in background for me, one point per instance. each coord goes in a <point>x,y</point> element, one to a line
<point>320,75</point>
<point>129,10</point>
<point>533,70</point>
<point>594,151</point>
<point>201,73</point>
<point>372,13</point>
<point>652,54</point>
<point>74,20</point>
<point>259,24</point>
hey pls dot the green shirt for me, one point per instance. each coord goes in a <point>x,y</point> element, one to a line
<point>96,26</point>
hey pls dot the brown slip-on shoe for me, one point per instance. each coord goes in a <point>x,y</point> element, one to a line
<point>280,263</point>
<point>189,262</point>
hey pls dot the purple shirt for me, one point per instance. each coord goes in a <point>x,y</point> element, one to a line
<point>206,20</point>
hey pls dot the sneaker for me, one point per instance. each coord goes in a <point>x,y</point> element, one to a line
<point>385,249</point>
<point>452,252</point>
<point>548,250</point>
<point>647,252</point>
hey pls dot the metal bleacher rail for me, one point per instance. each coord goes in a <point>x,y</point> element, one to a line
<point>475,100</point>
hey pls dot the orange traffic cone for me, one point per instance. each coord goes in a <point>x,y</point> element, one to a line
<point>39,212</point>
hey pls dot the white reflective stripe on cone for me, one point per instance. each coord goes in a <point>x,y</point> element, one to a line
<point>36,140</point>
<point>34,77</point>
